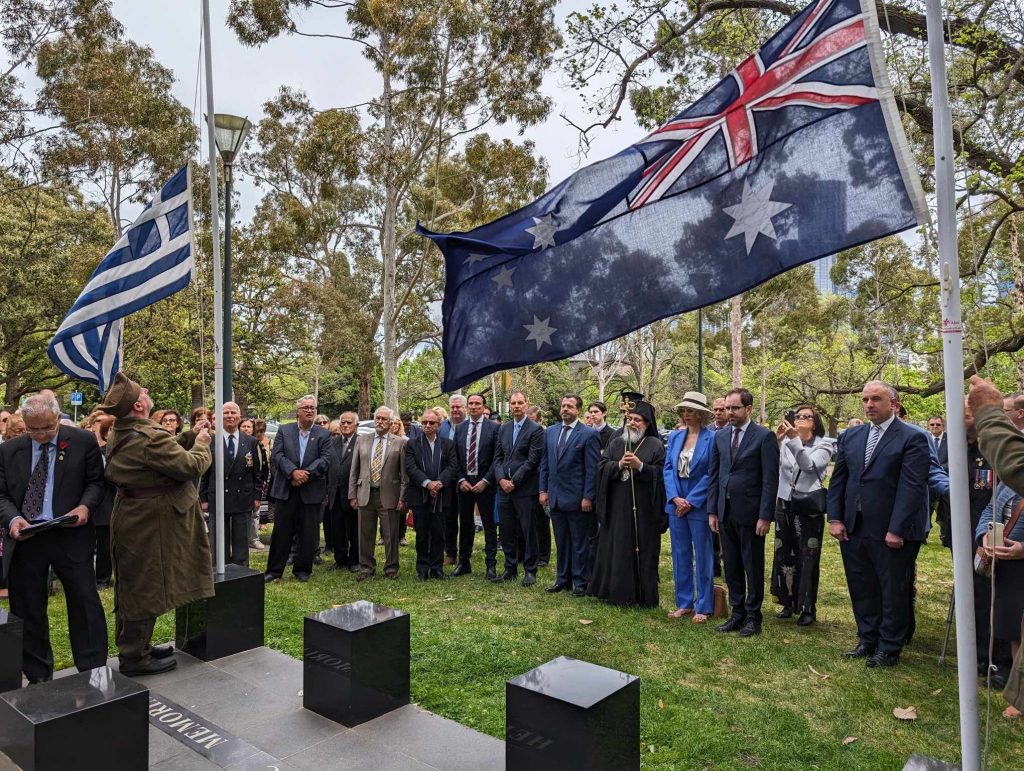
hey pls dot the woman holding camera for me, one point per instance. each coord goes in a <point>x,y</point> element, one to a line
<point>804,455</point>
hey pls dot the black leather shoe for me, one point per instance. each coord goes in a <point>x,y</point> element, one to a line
<point>421,576</point>
<point>999,680</point>
<point>506,576</point>
<point>529,579</point>
<point>462,570</point>
<point>353,568</point>
<point>883,659</point>
<point>440,575</point>
<point>579,591</point>
<point>161,651</point>
<point>806,619</point>
<point>785,613</point>
<point>750,628</point>
<point>862,651</point>
<point>318,560</point>
<point>269,578</point>
<point>734,624</point>
<point>542,563</point>
<point>490,575</point>
<point>302,577</point>
<point>556,588</point>
<point>364,576</point>
<point>151,667</point>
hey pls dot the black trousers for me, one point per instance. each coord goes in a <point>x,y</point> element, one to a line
<point>459,530</point>
<point>518,532</point>
<point>344,533</point>
<point>236,537</point>
<point>796,565</point>
<point>743,557</point>
<point>28,587</point>
<point>880,581</point>
<point>430,537</point>
<point>294,519</point>
<point>328,530</point>
<point>104,566</point>
<point>542,524</point>
<point>485,502</point>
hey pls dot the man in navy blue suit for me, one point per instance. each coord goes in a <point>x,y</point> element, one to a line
<point>743,480</point>
<point>516,469</point>
<point>568,484</point>
<point>875,512</point>
<point>300,459</point>
<point>475,441</point>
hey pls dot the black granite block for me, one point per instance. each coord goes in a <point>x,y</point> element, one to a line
<point>355,662</point>
<point>97,719</point>
<point>569,713</point>
<point>11,629</point>
<point>229,622</point>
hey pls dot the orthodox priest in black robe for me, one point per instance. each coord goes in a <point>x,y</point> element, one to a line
<point>631,512</point>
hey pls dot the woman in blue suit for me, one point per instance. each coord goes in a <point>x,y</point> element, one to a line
<point>686,488</point>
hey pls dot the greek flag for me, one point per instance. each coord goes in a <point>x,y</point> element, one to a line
<point>151,261</point>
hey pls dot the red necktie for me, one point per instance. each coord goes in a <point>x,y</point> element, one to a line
<point>471,465</point>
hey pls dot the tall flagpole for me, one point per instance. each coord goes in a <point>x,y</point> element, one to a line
<point>218,297</point>
<point>952,365</point>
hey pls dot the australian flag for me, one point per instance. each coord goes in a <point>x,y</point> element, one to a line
<point>798,154</point>
<point>151,261</point>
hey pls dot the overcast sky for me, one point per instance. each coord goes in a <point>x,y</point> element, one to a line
<point>333,73</point>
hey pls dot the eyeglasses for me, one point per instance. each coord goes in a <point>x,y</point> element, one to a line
<point>429,422</point>
<point>321,422</point>
<point>805,416</point>
<point>308,408</point>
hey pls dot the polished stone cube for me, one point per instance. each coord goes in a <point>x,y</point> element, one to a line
<point>355,662</point>
<point>97,719</point>
<point>229,622</point>
<point>572,714</point>
<point>11,629</point>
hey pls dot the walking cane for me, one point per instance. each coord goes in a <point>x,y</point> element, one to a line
<point>949,625</point>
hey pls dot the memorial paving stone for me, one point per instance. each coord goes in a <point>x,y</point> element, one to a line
<point>569,713</point>
<point>95,719</point>
<point>356,662</point>
<point>229,622</point>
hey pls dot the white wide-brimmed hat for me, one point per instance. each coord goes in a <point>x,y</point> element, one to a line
<point>693,400</point>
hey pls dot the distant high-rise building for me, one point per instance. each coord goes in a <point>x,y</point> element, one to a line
<point>823,275</point>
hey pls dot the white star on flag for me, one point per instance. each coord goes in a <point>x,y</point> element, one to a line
<point>540,331</point>
<point>543,231</point>
<point>753,214</point>
<point>503,277</point>
<point>474,258</point>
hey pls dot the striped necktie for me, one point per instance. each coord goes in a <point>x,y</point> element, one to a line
<point>873,436</point>
<point>377,462</point>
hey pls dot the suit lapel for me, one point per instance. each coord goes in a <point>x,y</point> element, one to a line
<point>747,441</point>
<point>699,449</point>
<point>58,467</point>
<point>882,441</point>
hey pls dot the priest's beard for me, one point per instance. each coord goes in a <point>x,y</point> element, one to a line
<point>632,435</point>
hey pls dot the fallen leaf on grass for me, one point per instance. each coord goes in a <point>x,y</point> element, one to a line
<point>785,641</point>
<point>849,740</point>
<point>936,692</point>
<point>905,713</point>
<point>586,621</point>
<point>449,598</point>
<point>650,747</point>
<point>661,704</point>
<point>816,673</point>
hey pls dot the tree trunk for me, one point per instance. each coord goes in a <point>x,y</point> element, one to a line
<point>736,328</point>
<point>1018,290</point>
<point>388,256</point>
<point>365,379</point>
<point>197,395</point>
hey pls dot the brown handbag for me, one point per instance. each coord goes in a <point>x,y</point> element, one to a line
<point>721,601</point>
<point>982,560</point>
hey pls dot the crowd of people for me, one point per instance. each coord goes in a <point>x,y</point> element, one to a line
<point>718,484</point>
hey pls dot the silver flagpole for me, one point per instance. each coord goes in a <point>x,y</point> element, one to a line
<point>952,365</point>
<point>218,298</point>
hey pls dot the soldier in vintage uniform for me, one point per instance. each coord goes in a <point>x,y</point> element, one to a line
<point>160,549</point>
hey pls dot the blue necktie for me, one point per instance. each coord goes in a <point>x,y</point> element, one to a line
<point>515,433</point>
<point>562,438</point>
<point>873,436</point>
<point>231,447</point>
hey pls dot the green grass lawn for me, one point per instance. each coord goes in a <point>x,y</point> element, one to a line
<point>707,700</point>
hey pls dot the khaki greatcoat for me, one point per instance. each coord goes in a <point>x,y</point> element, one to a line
<point>159,545</point>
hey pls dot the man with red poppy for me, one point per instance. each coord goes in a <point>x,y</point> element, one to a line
<point>48,472</point>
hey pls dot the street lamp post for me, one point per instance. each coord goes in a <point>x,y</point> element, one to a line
<point>229,133</point>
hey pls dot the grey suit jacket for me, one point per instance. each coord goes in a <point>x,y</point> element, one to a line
<point>392,474</point>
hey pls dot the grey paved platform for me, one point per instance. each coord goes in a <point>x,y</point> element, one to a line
<point>257,695</point>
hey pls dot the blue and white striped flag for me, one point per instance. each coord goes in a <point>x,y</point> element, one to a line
<point>151,261</point>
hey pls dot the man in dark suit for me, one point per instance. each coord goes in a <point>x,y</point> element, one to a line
<point>939,503</point>
<point>432,468</point>
<point>243,486</point>
<point>568,484</point>
<point>874,511</point>
<point>344,519</point>
<point>743,480</point>
<point>300,457</point>
<point>516,469</point>
<point>50,471</point>
<point>475,442</point>
<point>597,412</point>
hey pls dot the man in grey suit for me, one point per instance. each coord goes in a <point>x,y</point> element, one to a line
<point>243,486</point>
<point>375,486</point>
<point>300,458</point>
